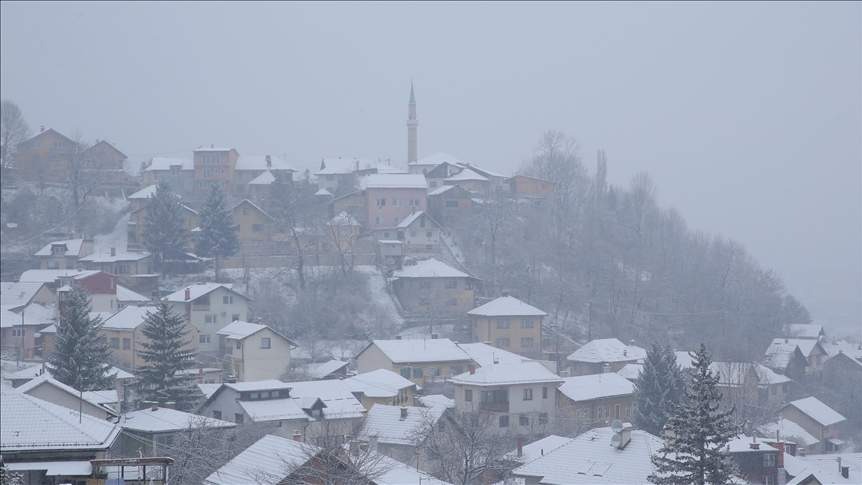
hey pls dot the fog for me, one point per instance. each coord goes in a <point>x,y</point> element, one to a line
<point>748,117</point>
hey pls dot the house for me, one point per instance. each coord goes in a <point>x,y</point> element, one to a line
<point>527,187</point>
<point>498,184</point>
<point>471,181</point>
<point>510,324</point>
<point>484,354</point>
<point>526,453</point>
<point>214,167</point>
<point>518,398</point>
<point>63,254</point>
<point>751,384</point>
<point>15,295</point>
<point>843,375</point>
<point>592,457</point>
<point>124,332</point>
<point>254,174</point>
<point>152,431</point>
<point>427,164</point>
<point>787,430</point>
<point>400,431</point>
<point>833,468</point>
<point>100,404</point>
<point>254,225</point>
<point>340,175</point>
<point>432,287</point>
<point>138,220</point>
<point>631,371</point>
<point>100,287</point>
<point>439,173</point>
<point>331,369</point>
<point>419,233</point>
<point>811,350</point>
<point>23,376</point>
<point>353,204</point>
<point>45,157</point>
<point>176,173</point>
<point>19,328</point>
<point>381,386</point>
<point>119,262</point>
<point>853,350</point>
<point>423,361</point>
<point>48,443</point>
<point>436,400</point>
<point>390,197</point>
<point>818,419</point>
<point>257,352</point>
<point>597,356</point>
<point>806,330</point>
<point>449,203</point>
<point>209,307</point>
<point>786,358</point>
<point>592,400</point>
<point>757,462</point>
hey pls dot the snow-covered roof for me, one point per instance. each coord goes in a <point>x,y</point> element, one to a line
<point>106,397</point>
<point>47,380</point>
<point>38,370</point>
<point>67,468</point>
<point>437,159</point>
<point>378,383</point>
<point>842,346</point>
<point>258,162</point>
<point>16,293</point>
<point>340,402</point>
<point>482,171</point>
<point>393,181</point>
<point>266,462</point>
<point>343,218</point>
<point>198,290</point>
<point>742,444</point>
<point>788,430</point>
<point>273,410</point>
<point>484,354</point>
<point>683,359</point>
<point>440,190</point>
<point>824,467</point>
<point>239,330</point>
<point>265,178</point>
<point>804,330</point>
<point>32,314</point>
<point>589,459</point>
<point>766,376</point>
<point>429,268</point>
<point>538,448</point>
<point>165,163</point>
<point>607,350</point>
<point>345,165</point>
<point>596,386</point>
<point>145,193</point>
<point>631,371</point>
<point>467,174</point>
<point>263,385</point>
<point>126,295</point>
<point>385,422</point>
<point>208,389</point>
<point>128,318</point>
<point>529,372</point>
<point>165,420</point>
<point>436,400</point>
<point>410,219</point>
<point>73,247</point>
<point>817,410</point>
<point>421,350</point>
<point>323,191</point>
<point>506,306</point>
<point>396,473</point>
<point>51,275</point>
<point>779,353</point>
<point>734,373</point>
<point>31,424</point>
<point>106,257</point>
<point>806,345</point>
<point>324,369</point>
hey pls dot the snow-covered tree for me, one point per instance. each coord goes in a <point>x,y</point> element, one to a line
<point>696,433</point>
<point>217,237</point>
<point>165,233</point>
<point>82,355</point>
<point>8,477</point>
<point>166,354</point>
<point>13,130</point>
<point>659,388</point>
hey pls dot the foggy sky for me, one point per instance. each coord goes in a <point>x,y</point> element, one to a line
<point>747,116</point>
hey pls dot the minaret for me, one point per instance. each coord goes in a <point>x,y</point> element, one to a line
<point>412,125</point>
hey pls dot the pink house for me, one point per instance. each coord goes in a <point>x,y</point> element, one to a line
<point>390,197</point>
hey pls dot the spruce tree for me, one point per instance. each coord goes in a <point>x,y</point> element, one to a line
<point>166,354</point>
<point>696,433</point>
<point>82,355</point>
<point>658,389</point>
<point>165,233</point>
<point>217,237</point>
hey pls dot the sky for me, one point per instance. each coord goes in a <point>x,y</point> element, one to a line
<point>748,116</point>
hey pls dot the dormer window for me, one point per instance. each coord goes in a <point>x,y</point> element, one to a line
<point>58,249</point>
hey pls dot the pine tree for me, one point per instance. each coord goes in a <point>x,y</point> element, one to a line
<point>165,233</point>
<point>658,389</point>
<point>217,238</point>
<point>166,354</point>
<point>82,355</point>
<point>696,433</point>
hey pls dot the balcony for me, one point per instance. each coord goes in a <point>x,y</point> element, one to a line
<point>494,406</point>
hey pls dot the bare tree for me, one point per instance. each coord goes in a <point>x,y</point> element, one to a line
<point>13,130</point>
<point>334,458</point>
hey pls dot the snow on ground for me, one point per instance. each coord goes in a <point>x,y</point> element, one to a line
<point>379,295</point>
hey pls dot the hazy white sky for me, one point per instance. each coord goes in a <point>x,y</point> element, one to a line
<point>747,116</point>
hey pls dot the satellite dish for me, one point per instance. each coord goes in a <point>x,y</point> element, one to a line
<point>616,426</point>
<point>616,440</point>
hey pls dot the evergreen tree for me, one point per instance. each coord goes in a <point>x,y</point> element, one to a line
<point>82,355</point>
<point>217,237</point>
<point>165,233</point>
<point>696,433</point>
<point>658,389</point>
<point>166,354</point>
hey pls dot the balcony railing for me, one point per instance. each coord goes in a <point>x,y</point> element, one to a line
<point>496,406</point>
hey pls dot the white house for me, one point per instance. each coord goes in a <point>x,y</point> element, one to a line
<point>209,307</point>
<point>419,233</point>
<point>602,355</point>
<point>256,351</point>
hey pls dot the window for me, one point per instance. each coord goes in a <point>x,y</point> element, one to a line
<point>257,227</point>
<point>451,203</point>
<point>127,344</point>
<point>544,393</point>
<point>468,395</point>
<point>217,414</point>
<point>451,284</point>
<point>428,234</point>
<point>265,343</point>
<point>543,418</point>
<point>405,372</point>
<point>17,332</point>
<point>523,420</point>
<point>504,421</point>
<point>527,323</point>
<point>238,345</point>
<point>417,372</point>
<point>425,284</point>
<point>452,302</point>
<point>617,411</point>
<point>209,318</point>
<point>528,394</point>
<point>768,460</point>
<point>381,202</point>
<point>227,299</point>
<point>502,342</point>
<point>203,300</point>
<point>502,324</point>
<point>394,202</point>
<point>455,370</point>
<point>115,343</point>
<point>254,395</point>
<point>203,338</point>
<point>237,418</point>
<point>527,342</point>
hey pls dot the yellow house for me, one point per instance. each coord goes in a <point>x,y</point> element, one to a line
<point>509,324</point>
<point>423,361</point>
<point>124,333</point>
<point>256,352</point>
<point>253,223</point>
<point>382,386</point>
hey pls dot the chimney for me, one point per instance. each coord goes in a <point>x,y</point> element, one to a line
<point>403,413</point>
<point>188,294</point>
<point>606,368</point>
<point>520,447</point>
<point>113,251</point>
<point>297,436</point>
<point>754,446</point>
<point>625,435</point>
<point>268,162</point>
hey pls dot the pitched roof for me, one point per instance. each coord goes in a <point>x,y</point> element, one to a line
<point>631,371</point>
<point>145,193</point>
<point>853,350</point>
<point>47,380</point>
<point>394,181</point>
<point>128,318</point>
<point>804,330</point>
<point>484,354</point>
<point>420,350</point>
<point>253,205</point>
<point>32,314</point>
<point>436,400</point>
<point>788,430</point>
<point>410,219</point>
<point>31,424</point>
<point>208,388</point>
<point>273,410</point>
<point>16,293</point>
<point>607,350</point>
<point>266,462</point>
<point>198,290</point>
<point>164,420</point>
<point>429,268</point>
<point>538,448</point>
<point>779,353</point>
<point>165,163</point>
<point>258,162</point>
<point>442,189</point>
<point>385,423</point>
<point>397,473</point>
<point>38,370</point>
<point>817,410</point>
<point>467,174</point>
<point>73,247</point>
<point>52,275</point>
<point>265,178</point>
<point>340,402</point>
<point>506,306</point>
<point>529,372</point>
<point>378,383</point>
<point>437,159</point>
<point>345,165</point>
<point>324,369</point>
<point>588,459</point>
<point>126,295</point>
<point>596,386</point>
<point>239,330</point>
<point>106,257</point>
<point>262,385</point>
